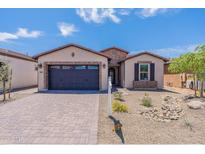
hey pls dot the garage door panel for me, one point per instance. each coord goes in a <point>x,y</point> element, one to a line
<point>74,77</point>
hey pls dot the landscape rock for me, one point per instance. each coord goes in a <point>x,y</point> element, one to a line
<point>170,110</point>
<point>188,97</point>
<point>195,104</point>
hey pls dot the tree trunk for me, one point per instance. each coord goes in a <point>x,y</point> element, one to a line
<point>10,78</point>
<point>195,85</point>
<point>4,90</point>
<point>202,88</point>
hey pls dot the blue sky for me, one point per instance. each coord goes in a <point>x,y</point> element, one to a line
<point>168,32</point>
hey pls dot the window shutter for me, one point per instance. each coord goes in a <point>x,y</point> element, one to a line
<point>136,71</point>
<point>152,71</point>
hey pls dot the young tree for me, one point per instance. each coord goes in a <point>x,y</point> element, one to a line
<point>184,63</point>
<point>200,60</point>
<point>4,76</point>
<point>191,62</point>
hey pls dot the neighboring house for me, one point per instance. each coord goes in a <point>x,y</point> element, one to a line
<point>23,67</point>
<point>179,80</point>
<point>75,67</point>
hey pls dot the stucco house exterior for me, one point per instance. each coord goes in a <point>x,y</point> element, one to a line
<point>74,67</point>
<point>143,70</point>
<point>24,73</point>
<point>139,71</point>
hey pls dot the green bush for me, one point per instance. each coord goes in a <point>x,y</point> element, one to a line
<point>118,95</point>
<point>117,106</point>
<point>146,100</point>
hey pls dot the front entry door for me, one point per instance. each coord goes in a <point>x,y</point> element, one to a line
<point>112,74</point>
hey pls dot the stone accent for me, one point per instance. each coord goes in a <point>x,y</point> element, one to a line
<point>144,84</point>
<point>170,110</point>
<point>46,64</point>
<point>115,55</point>
<point>196,104</point>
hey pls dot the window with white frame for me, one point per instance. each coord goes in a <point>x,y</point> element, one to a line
<point>144,71</point>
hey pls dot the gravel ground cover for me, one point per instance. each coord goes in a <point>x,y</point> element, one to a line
<point>18,95</point>
<point>137,129</point>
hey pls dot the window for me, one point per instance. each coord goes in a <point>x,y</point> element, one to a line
<point>144,71</point>
<point>80,67</point>
<point>93,67</point>
<point>67,67</point>
<point>55,67</point>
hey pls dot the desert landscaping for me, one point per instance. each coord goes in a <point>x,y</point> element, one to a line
<point>170,118</point>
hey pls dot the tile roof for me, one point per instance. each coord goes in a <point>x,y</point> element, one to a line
<point>13,54</point>
<point>145,52</point>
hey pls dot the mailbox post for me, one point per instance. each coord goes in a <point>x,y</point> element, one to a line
<point>109,96</point>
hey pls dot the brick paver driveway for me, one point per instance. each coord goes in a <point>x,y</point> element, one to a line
<point>50,118</point>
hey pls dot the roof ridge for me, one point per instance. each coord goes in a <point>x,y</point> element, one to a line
<point>17,52</point>
<point>145,52</point>
<point>68,45</point>
<point>11,53</point>
<point>114,47</point>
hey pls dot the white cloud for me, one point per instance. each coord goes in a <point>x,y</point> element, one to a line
<point>98,15</point>
<point>23,32</point>
<point>7,36</point>
<point>66,29</point>
<point>125,12</point>
<point>175,51</point>
<point>150,12</point>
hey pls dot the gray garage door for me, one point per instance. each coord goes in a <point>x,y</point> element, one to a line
<point>78,77</point>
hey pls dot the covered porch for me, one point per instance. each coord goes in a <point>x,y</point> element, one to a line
<point>114,72</point>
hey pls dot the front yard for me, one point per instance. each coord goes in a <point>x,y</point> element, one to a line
<point>29,116</point>
<point>139,129</point>
<point>18,95</point>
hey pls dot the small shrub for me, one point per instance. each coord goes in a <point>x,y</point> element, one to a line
<point>146,100</point>
<point>117,106</point>
<point>118,95</point>
<point>188,124</point>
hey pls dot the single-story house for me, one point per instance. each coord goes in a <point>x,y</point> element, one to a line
<point>75,67</point>
<point>24,73</point>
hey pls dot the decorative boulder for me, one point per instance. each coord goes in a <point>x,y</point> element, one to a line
<point>195,104</point>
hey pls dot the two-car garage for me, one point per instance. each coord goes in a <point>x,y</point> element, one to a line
<point>73,77</point>
<point>72,67</point>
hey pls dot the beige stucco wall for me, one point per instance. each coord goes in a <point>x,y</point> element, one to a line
<point>23,72</point>
<point>129,69</point>
<point>65,55</point>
